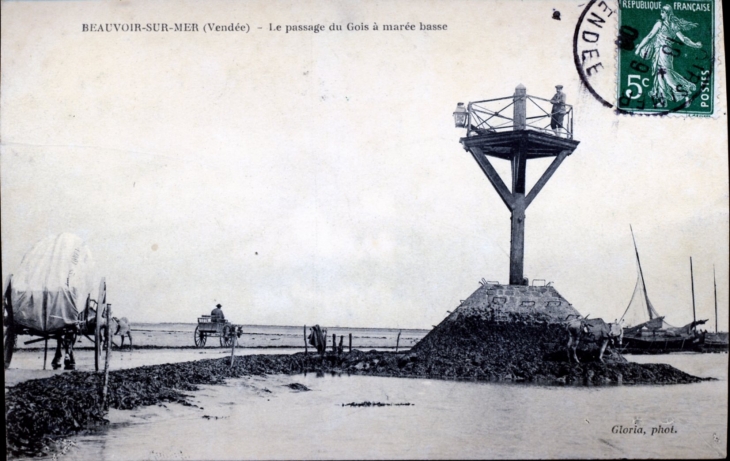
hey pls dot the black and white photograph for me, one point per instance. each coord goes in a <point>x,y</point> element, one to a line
<point>328,229</point>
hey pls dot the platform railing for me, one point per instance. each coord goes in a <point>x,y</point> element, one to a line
<point>493,116</point>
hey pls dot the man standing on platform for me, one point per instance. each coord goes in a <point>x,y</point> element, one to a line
<point>558,112</point>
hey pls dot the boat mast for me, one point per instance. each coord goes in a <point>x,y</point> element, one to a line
<point>715,280</point>
<point>641,273</point>
<point>692,276</point>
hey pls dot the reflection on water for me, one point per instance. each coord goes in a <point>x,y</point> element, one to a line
<point>260,417</point>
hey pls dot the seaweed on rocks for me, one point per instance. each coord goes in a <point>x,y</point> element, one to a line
<point>298,387</point>
<point>38,412</point>
<point>377,404</point>
<point>41,412</point>
<point>468,345</point>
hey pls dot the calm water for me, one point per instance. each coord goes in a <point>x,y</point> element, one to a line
<point>262,418</point>
<point>258,336</point>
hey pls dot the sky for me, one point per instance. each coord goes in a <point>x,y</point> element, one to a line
<point>301,178</point>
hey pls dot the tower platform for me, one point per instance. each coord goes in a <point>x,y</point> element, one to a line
<point>504,144</point>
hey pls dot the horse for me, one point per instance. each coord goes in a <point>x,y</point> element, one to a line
<point>66,339</point>
<point>593,330</point>
<point>66,342</point>
<point>118,327</point>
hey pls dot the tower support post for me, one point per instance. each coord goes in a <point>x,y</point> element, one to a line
<point>517,243</point>
<point>520,107</point>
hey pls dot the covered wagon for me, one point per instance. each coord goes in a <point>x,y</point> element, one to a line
<point>49,297</point>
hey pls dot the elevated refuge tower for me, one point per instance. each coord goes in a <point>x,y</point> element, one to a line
<point>538,128</point>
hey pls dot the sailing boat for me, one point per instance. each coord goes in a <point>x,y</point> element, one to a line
<point>717,341</point>
<point>646,330</point>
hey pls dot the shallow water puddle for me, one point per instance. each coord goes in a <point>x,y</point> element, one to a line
<point>264,418</point>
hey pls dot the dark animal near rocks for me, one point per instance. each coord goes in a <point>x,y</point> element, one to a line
<point>593,330</point>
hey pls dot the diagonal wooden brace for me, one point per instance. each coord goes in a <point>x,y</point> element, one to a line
<point>493,177</point>
<point>545,177</point>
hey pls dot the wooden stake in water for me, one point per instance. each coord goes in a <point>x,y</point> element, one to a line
<point>715,281</point>
<point>339,348</point>
<point>334,342</point>
<point>233,343</point>
<point>106,361</point>
<point>350,342</point>
<point>397,342</point>
<point>45,349</point>
<point>692,276</point>
<point>306,348</point>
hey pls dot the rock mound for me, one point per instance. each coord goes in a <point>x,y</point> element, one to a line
<point>503,333</point>
<point>503,325</point>
<point>517,333</point>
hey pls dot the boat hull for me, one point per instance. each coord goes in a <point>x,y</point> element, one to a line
<point>715,342</point>
<point>661,344</point>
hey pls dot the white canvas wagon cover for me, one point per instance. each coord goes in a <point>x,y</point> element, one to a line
<point>51,285</point>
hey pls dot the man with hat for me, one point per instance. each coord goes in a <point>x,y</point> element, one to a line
<point>558,112</point>
<point>216,314</point>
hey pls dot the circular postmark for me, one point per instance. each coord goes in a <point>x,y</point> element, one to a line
<point>659,69</point>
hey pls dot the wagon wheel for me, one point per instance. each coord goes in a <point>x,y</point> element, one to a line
<point>228,337</point>
<point>9,337</point>
<point>227,341</point>
<point>100,304</point>
<point>223,338</point>
<point>199,337</point>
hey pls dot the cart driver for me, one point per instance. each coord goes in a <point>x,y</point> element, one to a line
<point>216,314</point>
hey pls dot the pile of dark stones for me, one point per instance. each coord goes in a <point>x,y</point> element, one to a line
<point>40,413</point>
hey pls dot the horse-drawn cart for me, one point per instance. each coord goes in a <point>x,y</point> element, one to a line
<point>211,326</point>
<point>45,297</point>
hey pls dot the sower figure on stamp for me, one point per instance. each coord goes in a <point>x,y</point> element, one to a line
<point>657,46</point>
<point>558,112</point>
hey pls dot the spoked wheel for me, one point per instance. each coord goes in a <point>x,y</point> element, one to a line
<point>100,305</point>
<point>199,337</point>
<point>228,338</point>
<point>227,341</point>
<point>9,336</point>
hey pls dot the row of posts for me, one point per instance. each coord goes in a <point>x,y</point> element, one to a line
<point>105,387</point>
<point>339,349</point>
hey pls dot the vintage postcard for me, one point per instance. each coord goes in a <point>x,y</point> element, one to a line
<point>481,229</point>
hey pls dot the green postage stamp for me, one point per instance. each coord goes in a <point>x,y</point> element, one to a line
<point>666,56</point>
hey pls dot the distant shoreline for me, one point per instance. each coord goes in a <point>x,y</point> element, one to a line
<point>149,347</point>
<point>415,330</point>
<point>182,336</point>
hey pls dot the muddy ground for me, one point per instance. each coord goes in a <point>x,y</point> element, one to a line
<point>40,413</point>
